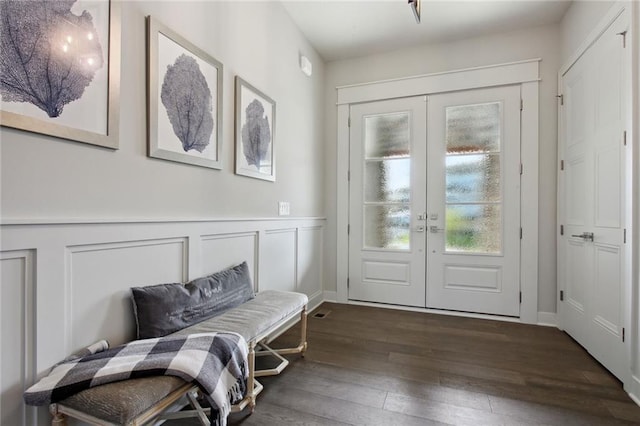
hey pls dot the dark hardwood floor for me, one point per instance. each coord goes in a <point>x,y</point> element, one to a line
<point>375,366</point>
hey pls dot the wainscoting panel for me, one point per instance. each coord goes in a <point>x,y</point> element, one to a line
<point>309,268</point>
<point>279,253</point>
<point>17,334</point>
<point>99,279</point>
<point>225,250</point>
<point>66,285</point>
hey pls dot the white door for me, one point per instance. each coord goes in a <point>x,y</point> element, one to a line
<point>592,187</point>
<point>387,202</point>
<point>473,204</point>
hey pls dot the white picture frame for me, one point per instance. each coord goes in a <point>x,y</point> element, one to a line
<point>255,118</point>
<point>70,87</point>
<point>184,99</point>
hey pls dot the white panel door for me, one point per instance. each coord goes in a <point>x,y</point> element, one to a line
<point>574,266</point>
<point>473,201</point>
<point>592,188</point>
<point>387,202</point>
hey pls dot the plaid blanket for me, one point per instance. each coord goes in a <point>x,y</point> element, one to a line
<point>216,362</point>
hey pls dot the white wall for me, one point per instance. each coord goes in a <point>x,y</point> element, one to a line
<point>80,224</point>
<point>50,178</point>
<point>578,22</point>
<point>541,42</point>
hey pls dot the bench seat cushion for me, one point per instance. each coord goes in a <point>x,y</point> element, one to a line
<point>254,317</point>
<point>122,402</point>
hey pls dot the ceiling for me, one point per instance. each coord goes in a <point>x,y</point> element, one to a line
<point>340,29</point>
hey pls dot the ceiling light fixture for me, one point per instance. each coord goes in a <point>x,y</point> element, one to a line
<point>415,6</point>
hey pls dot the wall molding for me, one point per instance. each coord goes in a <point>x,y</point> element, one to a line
<point>77,278</point>
<point>93,221</point>
<point>281,231</point>
<point>460,79</point>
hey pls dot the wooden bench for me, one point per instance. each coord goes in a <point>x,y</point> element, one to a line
<point>145,400</point>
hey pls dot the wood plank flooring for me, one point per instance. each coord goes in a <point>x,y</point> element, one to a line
<point>375,366</point>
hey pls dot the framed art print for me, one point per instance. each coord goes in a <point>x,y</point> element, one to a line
<point>184,99</point>
<point>255,132</point>
<point>60,69</point>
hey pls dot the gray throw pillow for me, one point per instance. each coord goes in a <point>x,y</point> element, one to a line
<point>165,308</point>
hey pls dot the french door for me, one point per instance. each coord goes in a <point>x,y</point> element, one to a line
<point>473,188</point>
<point>387,202</point>
<point>591,248</point>
<point>434,219</point>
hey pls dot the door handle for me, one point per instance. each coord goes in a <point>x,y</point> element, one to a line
<point>434,229</point>
<point>419,228</point>
<point>587,236</point>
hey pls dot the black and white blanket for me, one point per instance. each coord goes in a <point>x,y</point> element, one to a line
<point>216,362</point>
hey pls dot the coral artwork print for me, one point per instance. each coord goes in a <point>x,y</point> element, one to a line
<point>187,98</point>
<point>48,54</point>
<point>256,134</point>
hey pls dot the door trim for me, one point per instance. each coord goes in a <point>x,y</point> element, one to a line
<point>524,73</point>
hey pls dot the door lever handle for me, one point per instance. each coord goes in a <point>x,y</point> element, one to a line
<point>434,229</point>
<point>587,236</point>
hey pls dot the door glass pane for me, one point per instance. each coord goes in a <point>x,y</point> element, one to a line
<point>386,135</point>
<point>473,128</point>
<point>473,178</point>
<point>474,228</point>
<point>387,180</point>
<point>387,226</point>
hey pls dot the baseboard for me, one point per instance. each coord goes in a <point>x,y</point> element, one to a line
<point>331,296</point>
<point>548,319</point>
<point>315,301</point>
<point>634,389</point>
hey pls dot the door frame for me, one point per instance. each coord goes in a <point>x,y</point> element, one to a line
<point>630,309</point>
<point>524,73</point>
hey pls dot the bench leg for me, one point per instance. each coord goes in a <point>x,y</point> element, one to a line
<point>303,326</point>
<point>58,419</point>
<point>251,382</point>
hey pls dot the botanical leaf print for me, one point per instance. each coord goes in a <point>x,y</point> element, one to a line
<point>48,55</point>
<point>186,96</point>
<point>256,134</point>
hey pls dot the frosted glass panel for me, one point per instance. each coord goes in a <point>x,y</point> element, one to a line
<point>388,180</point>
<point>473,128</point>
<point>474,228</point>
<point>473,178</point>
<point>386,135</point>
<point>387,227</point>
